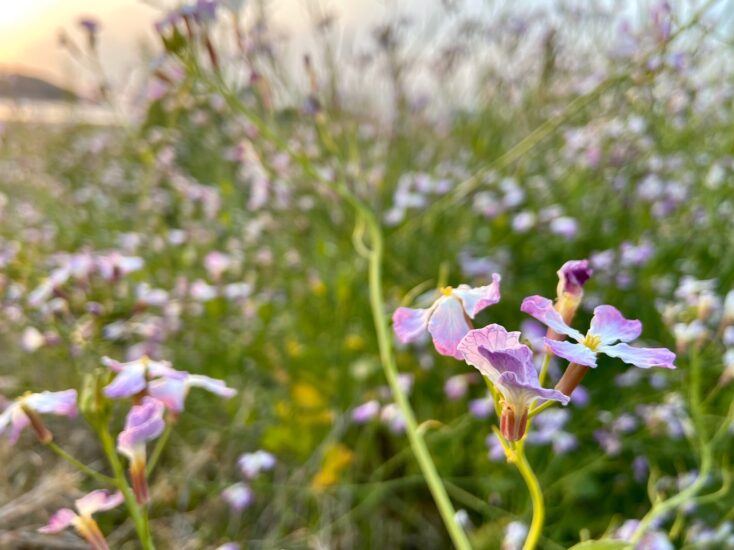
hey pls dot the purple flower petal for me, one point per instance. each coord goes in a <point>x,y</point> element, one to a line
<point>144,422</point>
<point>59,521</point>
<point>18,422</point>
<point>128,382</point>
<point>212,385</point>
<point>476,299</point>
<point>610,325</point>
<point>542,309</point>
<point>409,324</point>
<point>448,325</point>
<point>98,501</point>
<point>575,353</point>
<point>572,276</point>
<point>62,403</point>
<point>519,391</point>
<point>490,338</point>
<point>170,392</point>
<point>641,357</point>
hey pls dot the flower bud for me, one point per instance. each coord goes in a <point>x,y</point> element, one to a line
<point>571,279</point>
<point>512,424</point>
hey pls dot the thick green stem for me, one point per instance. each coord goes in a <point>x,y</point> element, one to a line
<point>137,513</point>
<point>97,476</point>
<point>417,443</point>
<point>536,496</point>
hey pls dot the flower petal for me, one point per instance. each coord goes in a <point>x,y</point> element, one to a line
<point>572,276</point>
<point>410,324</point>
<point>610,325</point>
<point>143,423</point>
<point>493,350</point>
<point>542,309</point>
<point>575,353</point>
<point>641,357</point>
<point>476,299</point>
<point>128,382</point>
<point>98,501</point>
<point>448,325</point>
<point>211,384</point>
<point>53,402</point>
<point>522,393</point>
<point>59,521</point>
<point>172,393</point>
<point>18,422</point>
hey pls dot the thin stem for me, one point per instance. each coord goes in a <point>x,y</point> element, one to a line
<point>158,449</point>
<point>536,496</point>
<point>99,477</point>
<point>137,513</point>
<point>544,368</point>
<point>417,443</point>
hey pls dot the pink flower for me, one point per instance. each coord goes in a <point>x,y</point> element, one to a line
<point>96,501</point>
<point>144,422</point>
<point>24,412</point>
<point>449,318</point>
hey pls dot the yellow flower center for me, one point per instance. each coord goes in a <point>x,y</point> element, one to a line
<point>592,341</point>
<point>447,291</point>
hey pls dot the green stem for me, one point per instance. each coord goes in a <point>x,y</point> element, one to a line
<point>536,496</point>
<point>99,477</point>
<point>417,443</point>
<point>137,513</point>
<point>540,408</point>
<point>158,449</point>
<point>706,449</point>
<point>544,369</point>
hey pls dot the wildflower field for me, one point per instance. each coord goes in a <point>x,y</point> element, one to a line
<point>469,284</point>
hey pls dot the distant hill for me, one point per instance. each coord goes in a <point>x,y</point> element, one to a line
<point>20,86</point>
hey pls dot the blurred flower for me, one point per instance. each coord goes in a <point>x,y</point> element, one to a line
<point>172,390</point>
<point>481,408</point>
<point>96,501</point>
<point>448,319</point>
<point>515,534</point>
<point>132,377</point>
<point>394,419</point>
<point>24,411</point>
<point>253,464</point>
<point>144,422</point>
<point>508,364</point>
<point>238,496</point>
<point>366,412</point>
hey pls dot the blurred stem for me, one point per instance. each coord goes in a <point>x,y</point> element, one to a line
<point>705,448</point>
<point>99,477</point>
<point>158,449</point>
<point>540,408</point>
<point>137,512</point>
<point>417,443</point>
<point>536,496</point>
<point>544,369</point>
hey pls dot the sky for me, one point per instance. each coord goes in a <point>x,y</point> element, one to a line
<point>30,29</point>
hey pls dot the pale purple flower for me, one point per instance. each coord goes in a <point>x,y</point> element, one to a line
<point>81,520</point>
<point>216,264</point>
<point>238,496</point>
<point>481,408</point>
<point>144,423</point>
<point>448,319</point>
<point>456,387</point>
<point>495,450</point>
<point>652,540</point>
<point>608,327</point>
<point>172,390</point>
<point>564,226</point>
<point>253,464</point>
<point>393,418</point>
<point>132,377</point>
<point>508,364</point>
<point>23,412</point>
<point>515,534</point>
<point>366,412</point>
<point>114,265</point>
